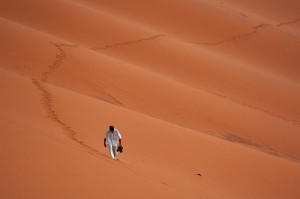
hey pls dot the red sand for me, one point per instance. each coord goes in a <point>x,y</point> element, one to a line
<point>205,93</point>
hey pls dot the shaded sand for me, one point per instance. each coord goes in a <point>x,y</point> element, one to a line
<point>205,93</point>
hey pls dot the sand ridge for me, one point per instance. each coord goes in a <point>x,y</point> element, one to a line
<point>126,43</point>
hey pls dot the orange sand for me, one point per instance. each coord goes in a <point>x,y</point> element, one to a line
<point>205,93</point>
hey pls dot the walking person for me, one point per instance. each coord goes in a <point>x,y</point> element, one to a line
<point>113,140</point>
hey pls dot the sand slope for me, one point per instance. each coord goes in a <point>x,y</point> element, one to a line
<point>204,93</point>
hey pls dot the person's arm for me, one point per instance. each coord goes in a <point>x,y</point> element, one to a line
<point>104,142</point>
<point>120,138</point>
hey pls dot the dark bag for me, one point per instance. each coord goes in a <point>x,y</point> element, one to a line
<point>120,149</point>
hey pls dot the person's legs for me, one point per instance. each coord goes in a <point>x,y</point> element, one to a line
<point>111,151</point>
<point>114,149</point>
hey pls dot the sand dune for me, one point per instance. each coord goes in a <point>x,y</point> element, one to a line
<point>205,94</point>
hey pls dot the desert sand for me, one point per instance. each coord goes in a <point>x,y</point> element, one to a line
<point>205,94</point>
